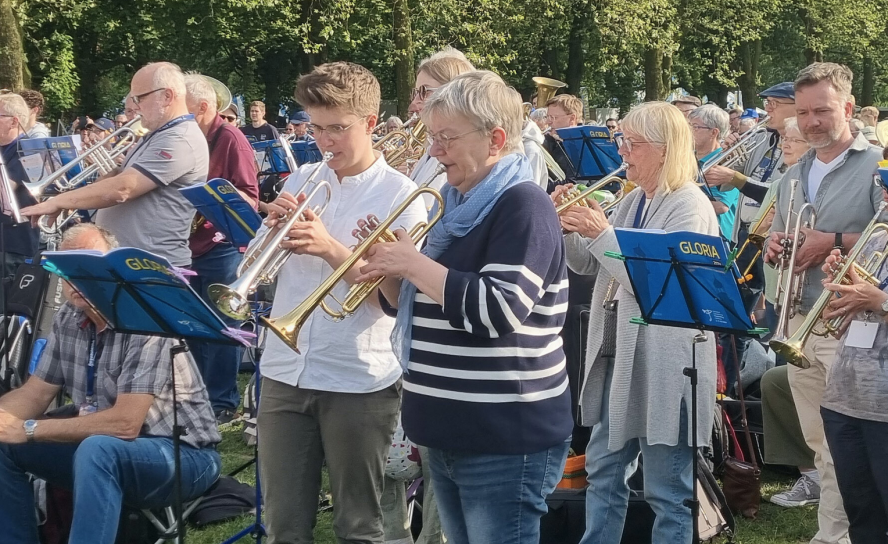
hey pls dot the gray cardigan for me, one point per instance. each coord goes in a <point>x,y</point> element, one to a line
<point>648,385</point>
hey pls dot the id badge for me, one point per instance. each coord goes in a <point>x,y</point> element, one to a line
<point>88,408</point>
<point>862,334</point>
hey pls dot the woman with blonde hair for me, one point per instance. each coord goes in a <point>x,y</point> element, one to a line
<point>634,394</point>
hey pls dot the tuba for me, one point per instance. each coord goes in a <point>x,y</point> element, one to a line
<point>792,348</point>
<point>287,327</point>
<point>264,258</point>
<point>546,89</point>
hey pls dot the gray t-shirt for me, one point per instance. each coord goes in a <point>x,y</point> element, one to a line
<point>159,221</point>
<point>857,384</point>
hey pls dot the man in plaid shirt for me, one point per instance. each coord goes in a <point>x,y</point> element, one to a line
<point>119,448</point>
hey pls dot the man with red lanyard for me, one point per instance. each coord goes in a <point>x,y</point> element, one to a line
<point>213,258</point>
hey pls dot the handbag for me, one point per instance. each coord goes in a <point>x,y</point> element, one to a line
<point>741,482</point>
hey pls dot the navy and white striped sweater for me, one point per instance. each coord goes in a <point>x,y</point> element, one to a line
<point>487,372</point>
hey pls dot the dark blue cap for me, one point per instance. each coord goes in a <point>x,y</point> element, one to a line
<point>300,117</point>
<point>781,90</point>
<point>104,123</point>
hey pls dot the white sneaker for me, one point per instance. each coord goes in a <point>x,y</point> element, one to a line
<point>805,491</point>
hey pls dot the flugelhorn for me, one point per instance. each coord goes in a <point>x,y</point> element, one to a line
<point>792,348</point>
<point>790,285</point>
<point>579,197</point>
<point>265,257</point>
<point>287,327</point>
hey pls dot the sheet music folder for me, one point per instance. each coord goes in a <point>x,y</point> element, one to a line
<point>222,205</point>
<point>138,292</point>
<point>683,279</point>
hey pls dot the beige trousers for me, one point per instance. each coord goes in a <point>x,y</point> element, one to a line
<point>807,388</point>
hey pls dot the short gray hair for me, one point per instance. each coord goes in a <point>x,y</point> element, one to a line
<point>198,90</point>
<point>483,98</point>
<point>16,106</point>
<point>82,229</point>
<point>748,122</point>
<point>791,123</point>
<point>539,114</point>
<point>713,117</point>
<point>168,76</point>
<point>840,77</point>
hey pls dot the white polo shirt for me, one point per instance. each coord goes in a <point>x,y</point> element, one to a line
<point>354,355</point>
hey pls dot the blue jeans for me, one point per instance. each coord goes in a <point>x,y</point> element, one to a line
<point>103,472</point>
<point>218,363</point>
<point>667,483</point>
<point>495,498</point>
<point>859,449</point>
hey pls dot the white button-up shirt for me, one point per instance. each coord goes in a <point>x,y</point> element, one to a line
<point>354,355</point>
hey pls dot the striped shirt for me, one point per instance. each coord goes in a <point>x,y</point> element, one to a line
<point>487,371</point>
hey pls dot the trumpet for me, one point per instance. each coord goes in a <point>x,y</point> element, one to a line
<point>790,285</point>
<point>579,197</point>
<point>792,348</point>
<point>264,259</point>
<point>287,327</point>
<point>742,149</point>
<point>96,160</point>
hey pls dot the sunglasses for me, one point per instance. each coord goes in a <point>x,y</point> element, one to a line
<point>229,118</point>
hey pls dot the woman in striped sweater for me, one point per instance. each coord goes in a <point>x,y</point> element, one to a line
<point>479,312</point>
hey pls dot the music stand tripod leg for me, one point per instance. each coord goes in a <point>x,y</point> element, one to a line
<point>179,534</point>
<point>691,373</point>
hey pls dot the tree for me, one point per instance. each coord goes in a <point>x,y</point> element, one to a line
<point>11,51</point>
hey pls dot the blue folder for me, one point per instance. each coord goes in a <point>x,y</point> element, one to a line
<point>219,202</point>
<point>55,152</point>
<point>138,292</point>
<point>306,152</point>
<point>591,150</point>
<point>683,279</point>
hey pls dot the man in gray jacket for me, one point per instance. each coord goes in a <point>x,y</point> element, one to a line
<point>836,176</point>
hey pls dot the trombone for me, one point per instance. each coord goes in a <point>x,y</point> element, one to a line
<point>790,285</point>
<point>757,237</point>
<point>101,161</point>
<point>792,348</point>
<point>265,258</point>
<point>287,326</point>
<point>740,152</point>
<point>579,197</point>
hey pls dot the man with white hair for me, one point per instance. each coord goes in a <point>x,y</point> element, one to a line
<point>20,240</point>
<point>709,125</point>
<point>213,258</point>
<point>139,201</point>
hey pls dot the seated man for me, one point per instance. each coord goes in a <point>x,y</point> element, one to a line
<point>119,448</point>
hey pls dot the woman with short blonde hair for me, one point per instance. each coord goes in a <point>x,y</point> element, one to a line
<point>634,394</point>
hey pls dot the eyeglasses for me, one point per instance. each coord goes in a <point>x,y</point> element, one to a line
<point>798,141</point>
<point>423,92</point>
<point>699,127</point>
<point>444,141</point>
<point>770,103</point>
<point>229,118</point>
<point>137,99</point>
<point>333,131</point>
<point>626,143</point>
<point>612,127</point>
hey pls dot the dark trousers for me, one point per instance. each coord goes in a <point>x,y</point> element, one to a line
<point>860,451</point>
<point>218,363</point>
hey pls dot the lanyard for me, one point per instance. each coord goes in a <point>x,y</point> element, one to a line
<point>773,161</point>
<point>640,213</point>
<point>91,367</point>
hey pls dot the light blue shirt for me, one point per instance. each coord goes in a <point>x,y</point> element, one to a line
<point>726,220</point>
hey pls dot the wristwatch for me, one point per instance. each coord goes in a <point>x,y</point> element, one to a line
<point>30,426</point>
<point>885,307</point>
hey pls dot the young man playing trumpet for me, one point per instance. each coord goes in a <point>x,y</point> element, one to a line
<point>339,398</point>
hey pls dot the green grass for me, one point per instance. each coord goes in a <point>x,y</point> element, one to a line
<point>774,525</point>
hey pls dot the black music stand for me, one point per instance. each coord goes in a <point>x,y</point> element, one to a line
<point>686,280</point>
<point>138,292</point>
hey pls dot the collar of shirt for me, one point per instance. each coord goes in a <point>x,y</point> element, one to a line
<point>214,128</point>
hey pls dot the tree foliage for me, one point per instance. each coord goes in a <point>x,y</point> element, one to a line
<point>81,53</point>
